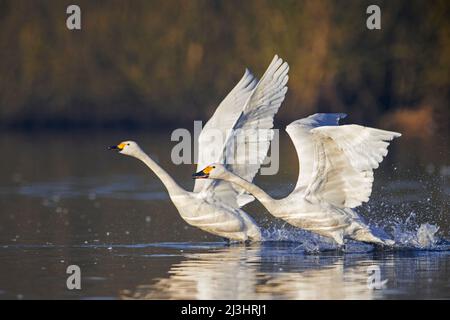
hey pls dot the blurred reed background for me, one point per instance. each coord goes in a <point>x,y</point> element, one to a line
<point>153,64</point>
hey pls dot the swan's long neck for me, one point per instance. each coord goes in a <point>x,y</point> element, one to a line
<point>172,187</point>
<point>266,200</point>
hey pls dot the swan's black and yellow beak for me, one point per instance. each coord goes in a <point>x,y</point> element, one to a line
<point>119,147</point>
<point>204,174</point>
<point>200,175</point>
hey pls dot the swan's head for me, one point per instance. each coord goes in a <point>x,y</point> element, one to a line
<point>129,148</point>
<point>213,171</point>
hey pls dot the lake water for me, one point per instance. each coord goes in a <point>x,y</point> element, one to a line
<point>65,200</point>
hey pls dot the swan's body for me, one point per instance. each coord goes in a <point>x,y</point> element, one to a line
<point>336,174</point>
<point>196,209</point>
<point>215,206</point>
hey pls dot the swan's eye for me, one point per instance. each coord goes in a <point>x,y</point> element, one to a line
<point>128,144</point>
<point>214,167</point>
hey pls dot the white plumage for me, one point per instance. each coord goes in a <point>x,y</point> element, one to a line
<point>336,162</point>
<point>335,175</point>
<point>214,206</point>
<point>244,119</point>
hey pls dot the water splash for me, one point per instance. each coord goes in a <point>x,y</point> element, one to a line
<point>421,237</point>
<point>307,241</point>
<point>407,234</point>
<point>426,235</point>
<point>310,243</point>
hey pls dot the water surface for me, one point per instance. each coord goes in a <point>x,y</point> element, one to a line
<point>66,200</point>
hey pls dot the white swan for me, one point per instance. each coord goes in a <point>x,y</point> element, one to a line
<point>214,206</point>
<point>336,174</point>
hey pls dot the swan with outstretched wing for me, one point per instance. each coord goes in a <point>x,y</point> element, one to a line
<point>248,110</point>
<point>336,166</point>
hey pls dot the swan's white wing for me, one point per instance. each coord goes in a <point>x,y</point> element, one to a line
<point>247,143</point>
<point>340,161</point>
<point>299,131</point>
<point>220,123</point>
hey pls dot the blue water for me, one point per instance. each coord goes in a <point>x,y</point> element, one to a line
<point>214,270</point>
<point>107,214</point>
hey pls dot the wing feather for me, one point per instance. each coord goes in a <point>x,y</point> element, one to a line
<point>248,138</point>
<point>222,120</point>
<point>337,162</point>
<point>249,141</point>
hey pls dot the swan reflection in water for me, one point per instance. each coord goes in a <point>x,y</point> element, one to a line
<point>264,271</point>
